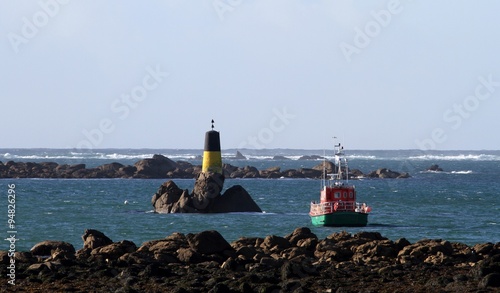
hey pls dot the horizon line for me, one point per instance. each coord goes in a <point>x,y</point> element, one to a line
<point>234,149</point>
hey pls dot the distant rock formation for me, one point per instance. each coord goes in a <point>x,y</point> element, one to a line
<point>387,173</point>
<point>309,158</point>
<point>239,156</point>
<point>156,167</point>
<point>434,168</point>
<point>280,158</point>
<point>160,166</point>
<point>205,198</point>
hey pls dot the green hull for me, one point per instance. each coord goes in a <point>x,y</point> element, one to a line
<point>341,219</point>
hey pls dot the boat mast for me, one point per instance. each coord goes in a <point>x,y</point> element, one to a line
<point>324,170</point>
<point>341,161</point>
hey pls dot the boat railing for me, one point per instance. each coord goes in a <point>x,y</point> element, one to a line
<point>338,206</point>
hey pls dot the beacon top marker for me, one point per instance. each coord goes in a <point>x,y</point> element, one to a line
<point>212,159</point>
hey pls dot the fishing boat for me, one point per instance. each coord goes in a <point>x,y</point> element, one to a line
<point>338,206</point>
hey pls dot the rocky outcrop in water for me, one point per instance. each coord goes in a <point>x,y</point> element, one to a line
<point>434,168</point>
<point>297,262</point>
<point>206,197</point>
<point>386,173</point>
<point>160,166</point>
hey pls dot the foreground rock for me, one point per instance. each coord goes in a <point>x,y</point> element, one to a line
<point>162,167</point>
<point>297,262</point>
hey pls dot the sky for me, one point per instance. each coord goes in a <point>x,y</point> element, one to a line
<point>271,73</point>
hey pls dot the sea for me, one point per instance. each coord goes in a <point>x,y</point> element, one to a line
<point>459,204</point>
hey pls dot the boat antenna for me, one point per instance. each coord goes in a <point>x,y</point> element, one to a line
<point>323,182</point>
<point>346,170</point>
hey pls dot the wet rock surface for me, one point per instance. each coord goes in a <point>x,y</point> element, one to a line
<point>160,166</point>
<point>206,197</point>
<point>297,262</point>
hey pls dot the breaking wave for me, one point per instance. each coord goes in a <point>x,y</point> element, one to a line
<point>452,172</point>
<point>462,172</point>
<point>459,157</point>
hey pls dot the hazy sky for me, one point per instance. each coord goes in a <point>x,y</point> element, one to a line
<point>271,73</point>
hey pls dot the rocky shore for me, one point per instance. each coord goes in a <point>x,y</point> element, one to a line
<point>297,262</point>
<point>160,166</point>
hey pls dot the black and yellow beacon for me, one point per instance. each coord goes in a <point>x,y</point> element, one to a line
<point>212,159</point>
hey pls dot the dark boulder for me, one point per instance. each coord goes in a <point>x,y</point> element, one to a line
<point>166,197</point>
<point>327,166</point>
<point>228,169</point>
<point>239,156</point>
<point>281,158</point>
<point>435,168</point>
<point>300,234</point>
<point>93,239</point>
<point>490,280</point>
<point>157,167</point>
<point>355,173</point>
<point>311,173</point>
<point>45,248</point>
<point>207,188</point>
<point>111,168</point>
<point>115,250</point>
<point>273,243</point>
<point>235,199</point>
<point>386,173</point>
<point>208,242</point>
<point>310,158</point>
<point>271,172</point>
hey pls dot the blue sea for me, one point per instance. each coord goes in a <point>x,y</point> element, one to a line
<point>460,204</point>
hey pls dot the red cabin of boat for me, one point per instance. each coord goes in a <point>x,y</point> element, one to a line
<point>342,197</point>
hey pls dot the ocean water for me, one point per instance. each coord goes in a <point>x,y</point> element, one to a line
<point>461,204</point>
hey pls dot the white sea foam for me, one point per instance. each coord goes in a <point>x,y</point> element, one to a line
<point>452,172</point>
<point>362,157</point>
<point>116,156</point>
<point>190,154</point>
<point>37,157</point>
<point>459,157</point>
<point>462,172</point>
<point>97,156</point>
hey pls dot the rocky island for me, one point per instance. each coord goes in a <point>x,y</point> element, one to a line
<point>161,167</point>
